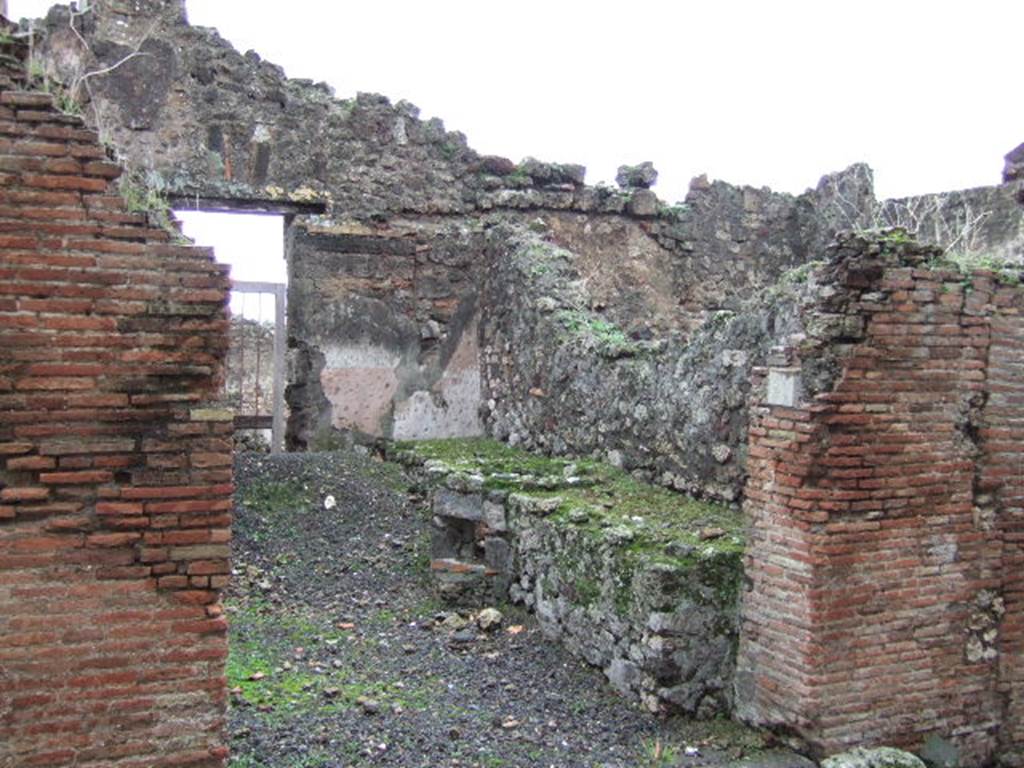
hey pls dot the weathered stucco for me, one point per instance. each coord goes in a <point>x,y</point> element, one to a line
<point>385,321</point>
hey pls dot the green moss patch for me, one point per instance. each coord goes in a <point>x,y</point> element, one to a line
<point>290,663</point>
<point>276,496</point>
<point>593,495</point>
<point>612,524</point>
<point>1005,271</point>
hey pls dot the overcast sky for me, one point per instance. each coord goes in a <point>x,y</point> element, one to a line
<point>762,93</point>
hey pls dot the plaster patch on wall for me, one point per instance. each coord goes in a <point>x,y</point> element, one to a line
<point>452,408</point>
<point>453,413</point>
<point>359,382</point>
<point>359,356</point>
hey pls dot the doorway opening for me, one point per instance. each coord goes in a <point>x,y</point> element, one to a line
<point>253,245</point>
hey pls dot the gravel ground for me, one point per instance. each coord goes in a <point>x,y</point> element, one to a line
<point>341,656</point>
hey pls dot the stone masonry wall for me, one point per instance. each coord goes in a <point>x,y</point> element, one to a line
<point>640,582</point>
<point>890,564</point>
<point>985,224</point>
<point>1013,169</point>
<point>387,317</point>
<point>115,475</point>
<point>219,125</point>
<point>883,600</point>
<point>619,382</point>
<point>607,336</point>
<point>217,128</point>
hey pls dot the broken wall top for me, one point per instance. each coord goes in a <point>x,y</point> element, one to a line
<point>222,129</point>
<point>215,123</point>
<point>211,123</point>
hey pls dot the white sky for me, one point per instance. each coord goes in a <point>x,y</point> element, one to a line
<point>252,244</point>
<point>762,93</point>
<point>752,92</point>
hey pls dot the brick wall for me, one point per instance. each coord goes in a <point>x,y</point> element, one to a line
<point>115,474</point>
<point>1001,496</point>
<point>884,563</point>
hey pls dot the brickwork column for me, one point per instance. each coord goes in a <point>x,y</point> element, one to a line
<point>1000,503</point>
<point>115,468</point>
<point>884,601</point>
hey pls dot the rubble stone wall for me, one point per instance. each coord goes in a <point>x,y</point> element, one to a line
<point>883,472</point>
<point>115,471</point>
<point>621,383</point>
<point>985,224</point>
<point>638,581</point>
<point>883,599</point>
<point>608,336</point>
<point>221,129</point>
<point>387,318</point>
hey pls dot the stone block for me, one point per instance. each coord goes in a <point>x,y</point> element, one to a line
<point>452,537</point>
<point>879,757</point>
<point>784,387</point>
<point>643,202</point>
<point>459,583</point>
<point>498,554</point>
<point>211,414</point>
<point>494,516</point>
<point>623,675</point>
<point>464,506</point>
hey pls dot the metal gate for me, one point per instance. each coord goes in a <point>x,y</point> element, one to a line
<point>256,364</point>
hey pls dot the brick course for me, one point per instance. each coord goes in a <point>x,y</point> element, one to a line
<point>885,591</point>
<point>116,474</point>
